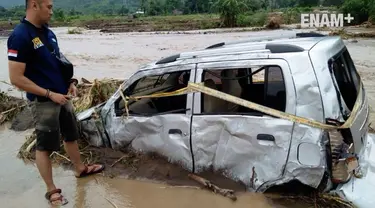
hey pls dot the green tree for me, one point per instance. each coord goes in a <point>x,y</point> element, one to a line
<point>308,3</point>
<point>171,5</point>
<point>143,5</point>
<point>154,7</point>
<point>59,14</point>
<point>229,11</point>
<point>123,11</point>
<point>361,10</point>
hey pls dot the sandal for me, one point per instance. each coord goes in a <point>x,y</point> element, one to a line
<point>61,198</point>
<point>86,173</point>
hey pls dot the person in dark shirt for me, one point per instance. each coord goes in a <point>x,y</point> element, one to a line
<point>34,67</point>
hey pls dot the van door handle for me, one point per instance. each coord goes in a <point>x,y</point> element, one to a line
<point>175,131</point>
<point>266,137</point>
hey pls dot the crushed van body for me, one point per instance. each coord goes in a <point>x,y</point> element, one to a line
<point>262,111</point>
<point>359,190</point>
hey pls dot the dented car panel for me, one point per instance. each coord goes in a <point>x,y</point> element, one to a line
<point>308,169</point>
<point>360,126</point>
<point>252,150</point>
<point>204,132</point>
<point>238,144</point>
<point>167,135</point>
<point>319,56</point>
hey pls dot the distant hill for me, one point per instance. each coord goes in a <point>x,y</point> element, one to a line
<point>87,6</point>
<point>11,3</point>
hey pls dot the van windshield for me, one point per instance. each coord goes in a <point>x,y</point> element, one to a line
<point>346,77</point>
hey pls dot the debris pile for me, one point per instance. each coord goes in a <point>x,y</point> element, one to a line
<point>93,93</point>
<point>274,21</point>
<point>9,107</point>
<point>89,95</point>
<point>76,30</point>
<point>313,200</point>
<point>344,34</point>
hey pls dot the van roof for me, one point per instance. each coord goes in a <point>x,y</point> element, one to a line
<point>289,43</point>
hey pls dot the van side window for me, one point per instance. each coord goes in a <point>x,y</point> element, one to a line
<point>148,85</point>
<point>264,86</point>
<point>347,78</point>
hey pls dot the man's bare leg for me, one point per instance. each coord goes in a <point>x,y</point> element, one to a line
<point>45,169</point>
<point>73,151</point>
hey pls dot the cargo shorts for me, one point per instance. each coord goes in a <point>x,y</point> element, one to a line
<point>52,121</point>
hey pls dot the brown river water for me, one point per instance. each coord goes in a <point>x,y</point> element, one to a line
<point>21,186</point>
<point>98,55</point>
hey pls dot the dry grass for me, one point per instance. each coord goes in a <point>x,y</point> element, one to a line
<point>27,152</point>
<point>316,200</point>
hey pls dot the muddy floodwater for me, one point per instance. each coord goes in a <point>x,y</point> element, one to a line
<point>21,186</point>
<point>97,55</point>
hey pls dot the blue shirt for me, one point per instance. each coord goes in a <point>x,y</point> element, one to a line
<point>36,47</point>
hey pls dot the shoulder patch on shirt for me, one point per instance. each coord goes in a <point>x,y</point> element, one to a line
<point>37,43</point>
<point>12,53</point>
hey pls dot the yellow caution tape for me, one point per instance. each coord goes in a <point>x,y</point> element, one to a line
<point>193,87</point>
<point>163,94</point>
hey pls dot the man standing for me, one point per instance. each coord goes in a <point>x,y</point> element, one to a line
<point>34,68</point>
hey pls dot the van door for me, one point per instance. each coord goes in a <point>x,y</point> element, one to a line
<point>160,125</point>
<point>244,144</point>
<point>347,83</point>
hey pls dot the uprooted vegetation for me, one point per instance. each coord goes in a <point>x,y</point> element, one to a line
<point>93,93</point>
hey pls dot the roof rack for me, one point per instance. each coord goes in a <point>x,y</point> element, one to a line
<point>270,47</point>
<point>269,38</point>
<point>256,39</point>
<point>168,59</point>
<point>310,35</point>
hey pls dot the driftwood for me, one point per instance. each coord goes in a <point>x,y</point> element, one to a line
<point>119,160</point>
<point>225,192</point>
